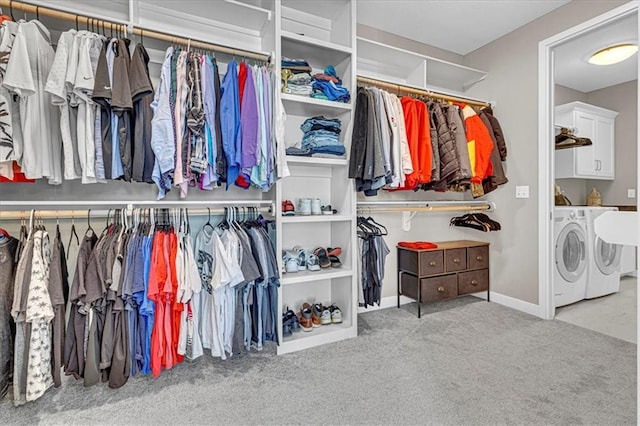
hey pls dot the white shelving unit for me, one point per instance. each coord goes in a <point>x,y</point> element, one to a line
<point>383,62</point>
<point>322,33</point>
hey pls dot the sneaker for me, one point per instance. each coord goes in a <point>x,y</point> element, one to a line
<point>325,319</point>
<point>305,317</point>
<point>336,314</point>
<point>301,254</point>
<point>323,259</point>
<point>316,314</point>
<point>288,209</point>
<point>304,206</point>
<point>313,264</point>
<point>289,322</point>
<point>291,262</point>
<point>315,206</point>
<point>328,209</point>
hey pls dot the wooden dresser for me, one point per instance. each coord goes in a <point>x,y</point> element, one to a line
<point>454,268</point>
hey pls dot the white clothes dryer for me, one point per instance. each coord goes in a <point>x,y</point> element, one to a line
<point>604,265</point>
<point>570,255</point>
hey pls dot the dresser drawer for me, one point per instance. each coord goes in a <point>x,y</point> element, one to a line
<point>438,288</point>
<point>473,281</point>
<point>455,259</point>
<point>435,288</point>
<point>431,262</point>
<point>478,257</point>
<point>421,263</point>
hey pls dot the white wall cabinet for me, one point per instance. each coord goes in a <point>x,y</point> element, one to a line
<point>322,33</point>
<point>592,161</point>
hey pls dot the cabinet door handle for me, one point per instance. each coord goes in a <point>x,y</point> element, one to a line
<point>478,257</point>
<point>441,289</point>
<point>432,263</point>
<point>456,260</point>
<point>474,282</point>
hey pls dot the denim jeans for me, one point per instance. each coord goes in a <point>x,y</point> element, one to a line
<point>246,309</point>
<point>329,124</point>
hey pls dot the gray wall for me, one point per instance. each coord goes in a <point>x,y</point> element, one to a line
<point>623,99</point>
<point>380,36</point>
<point>512,81</point>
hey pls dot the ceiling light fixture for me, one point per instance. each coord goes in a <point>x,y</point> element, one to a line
<point>613,54</point>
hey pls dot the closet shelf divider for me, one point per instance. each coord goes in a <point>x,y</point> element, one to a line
<point>317,218</point>
<point>315,161</point>
<point>310,276</point>
<point>317,43</point>
<point>323,335</point>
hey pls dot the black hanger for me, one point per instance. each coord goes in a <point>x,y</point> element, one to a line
<point>209,220</point>
<point>11,10</point>
<point>89,228</point>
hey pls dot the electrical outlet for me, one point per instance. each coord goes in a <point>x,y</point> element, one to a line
<point>522,191</point>
<point>631,193</point>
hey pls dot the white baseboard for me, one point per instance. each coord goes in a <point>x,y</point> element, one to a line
<point>511,302</point>
<point>501,299</point>
<point>386,302</point>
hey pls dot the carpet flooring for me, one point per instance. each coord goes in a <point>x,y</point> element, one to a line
<point>464,362</point>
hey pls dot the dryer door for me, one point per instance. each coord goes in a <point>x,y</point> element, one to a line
<point>571,252</point>
<point>607,256</point>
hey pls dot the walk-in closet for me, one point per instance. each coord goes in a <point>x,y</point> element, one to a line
<point>284,211</point>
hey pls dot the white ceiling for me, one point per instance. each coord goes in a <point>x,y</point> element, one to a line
<point>460,26</point>
<point>570,59</point>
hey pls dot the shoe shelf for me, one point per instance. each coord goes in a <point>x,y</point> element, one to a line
<point>322,335</point>
<point>322,33</point>
<point>316,161</point>
<point>310,276</point>
<point>317,218</point>
<point>336,291</point>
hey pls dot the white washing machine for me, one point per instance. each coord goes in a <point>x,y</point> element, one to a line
<point>570,255</point>
<point>604,265</point>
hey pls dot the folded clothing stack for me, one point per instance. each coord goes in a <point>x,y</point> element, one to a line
<point>328,86</point>
<point>321,138</point>
<point>296,77</point>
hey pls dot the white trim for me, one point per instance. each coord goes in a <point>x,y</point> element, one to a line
<point>545,153</point>
<point>500,299</point>
<point>511,302</point>
<point>386,302</point>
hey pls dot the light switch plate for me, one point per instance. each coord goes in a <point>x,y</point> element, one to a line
<point>522,191</point>
<point>631,193</point>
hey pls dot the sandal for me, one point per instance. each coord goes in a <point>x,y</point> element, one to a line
<point>323,259</point>
<point>335,262</point>
<point>335,251</point>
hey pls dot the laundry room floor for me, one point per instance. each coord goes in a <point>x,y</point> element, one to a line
<point>614,315</point>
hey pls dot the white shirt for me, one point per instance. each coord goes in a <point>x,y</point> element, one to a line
<point>10,123</point>
<point>29,65</point>
<point>57,87</point>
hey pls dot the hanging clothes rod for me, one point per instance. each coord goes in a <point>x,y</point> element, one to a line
<point>412,90</point>
<point>28,205</point>
<point>82,214</point>
<point>128,27</point>
<point>422,206</point>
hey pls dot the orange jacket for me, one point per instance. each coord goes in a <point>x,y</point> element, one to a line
<point>416,118</point>
<point>479,144</point>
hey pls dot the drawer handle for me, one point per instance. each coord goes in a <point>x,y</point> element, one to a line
<point>456,260</point>
<point>432,263</point>
<point>441,289</point>
<point>478,257</point>
<point>474,282</point>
